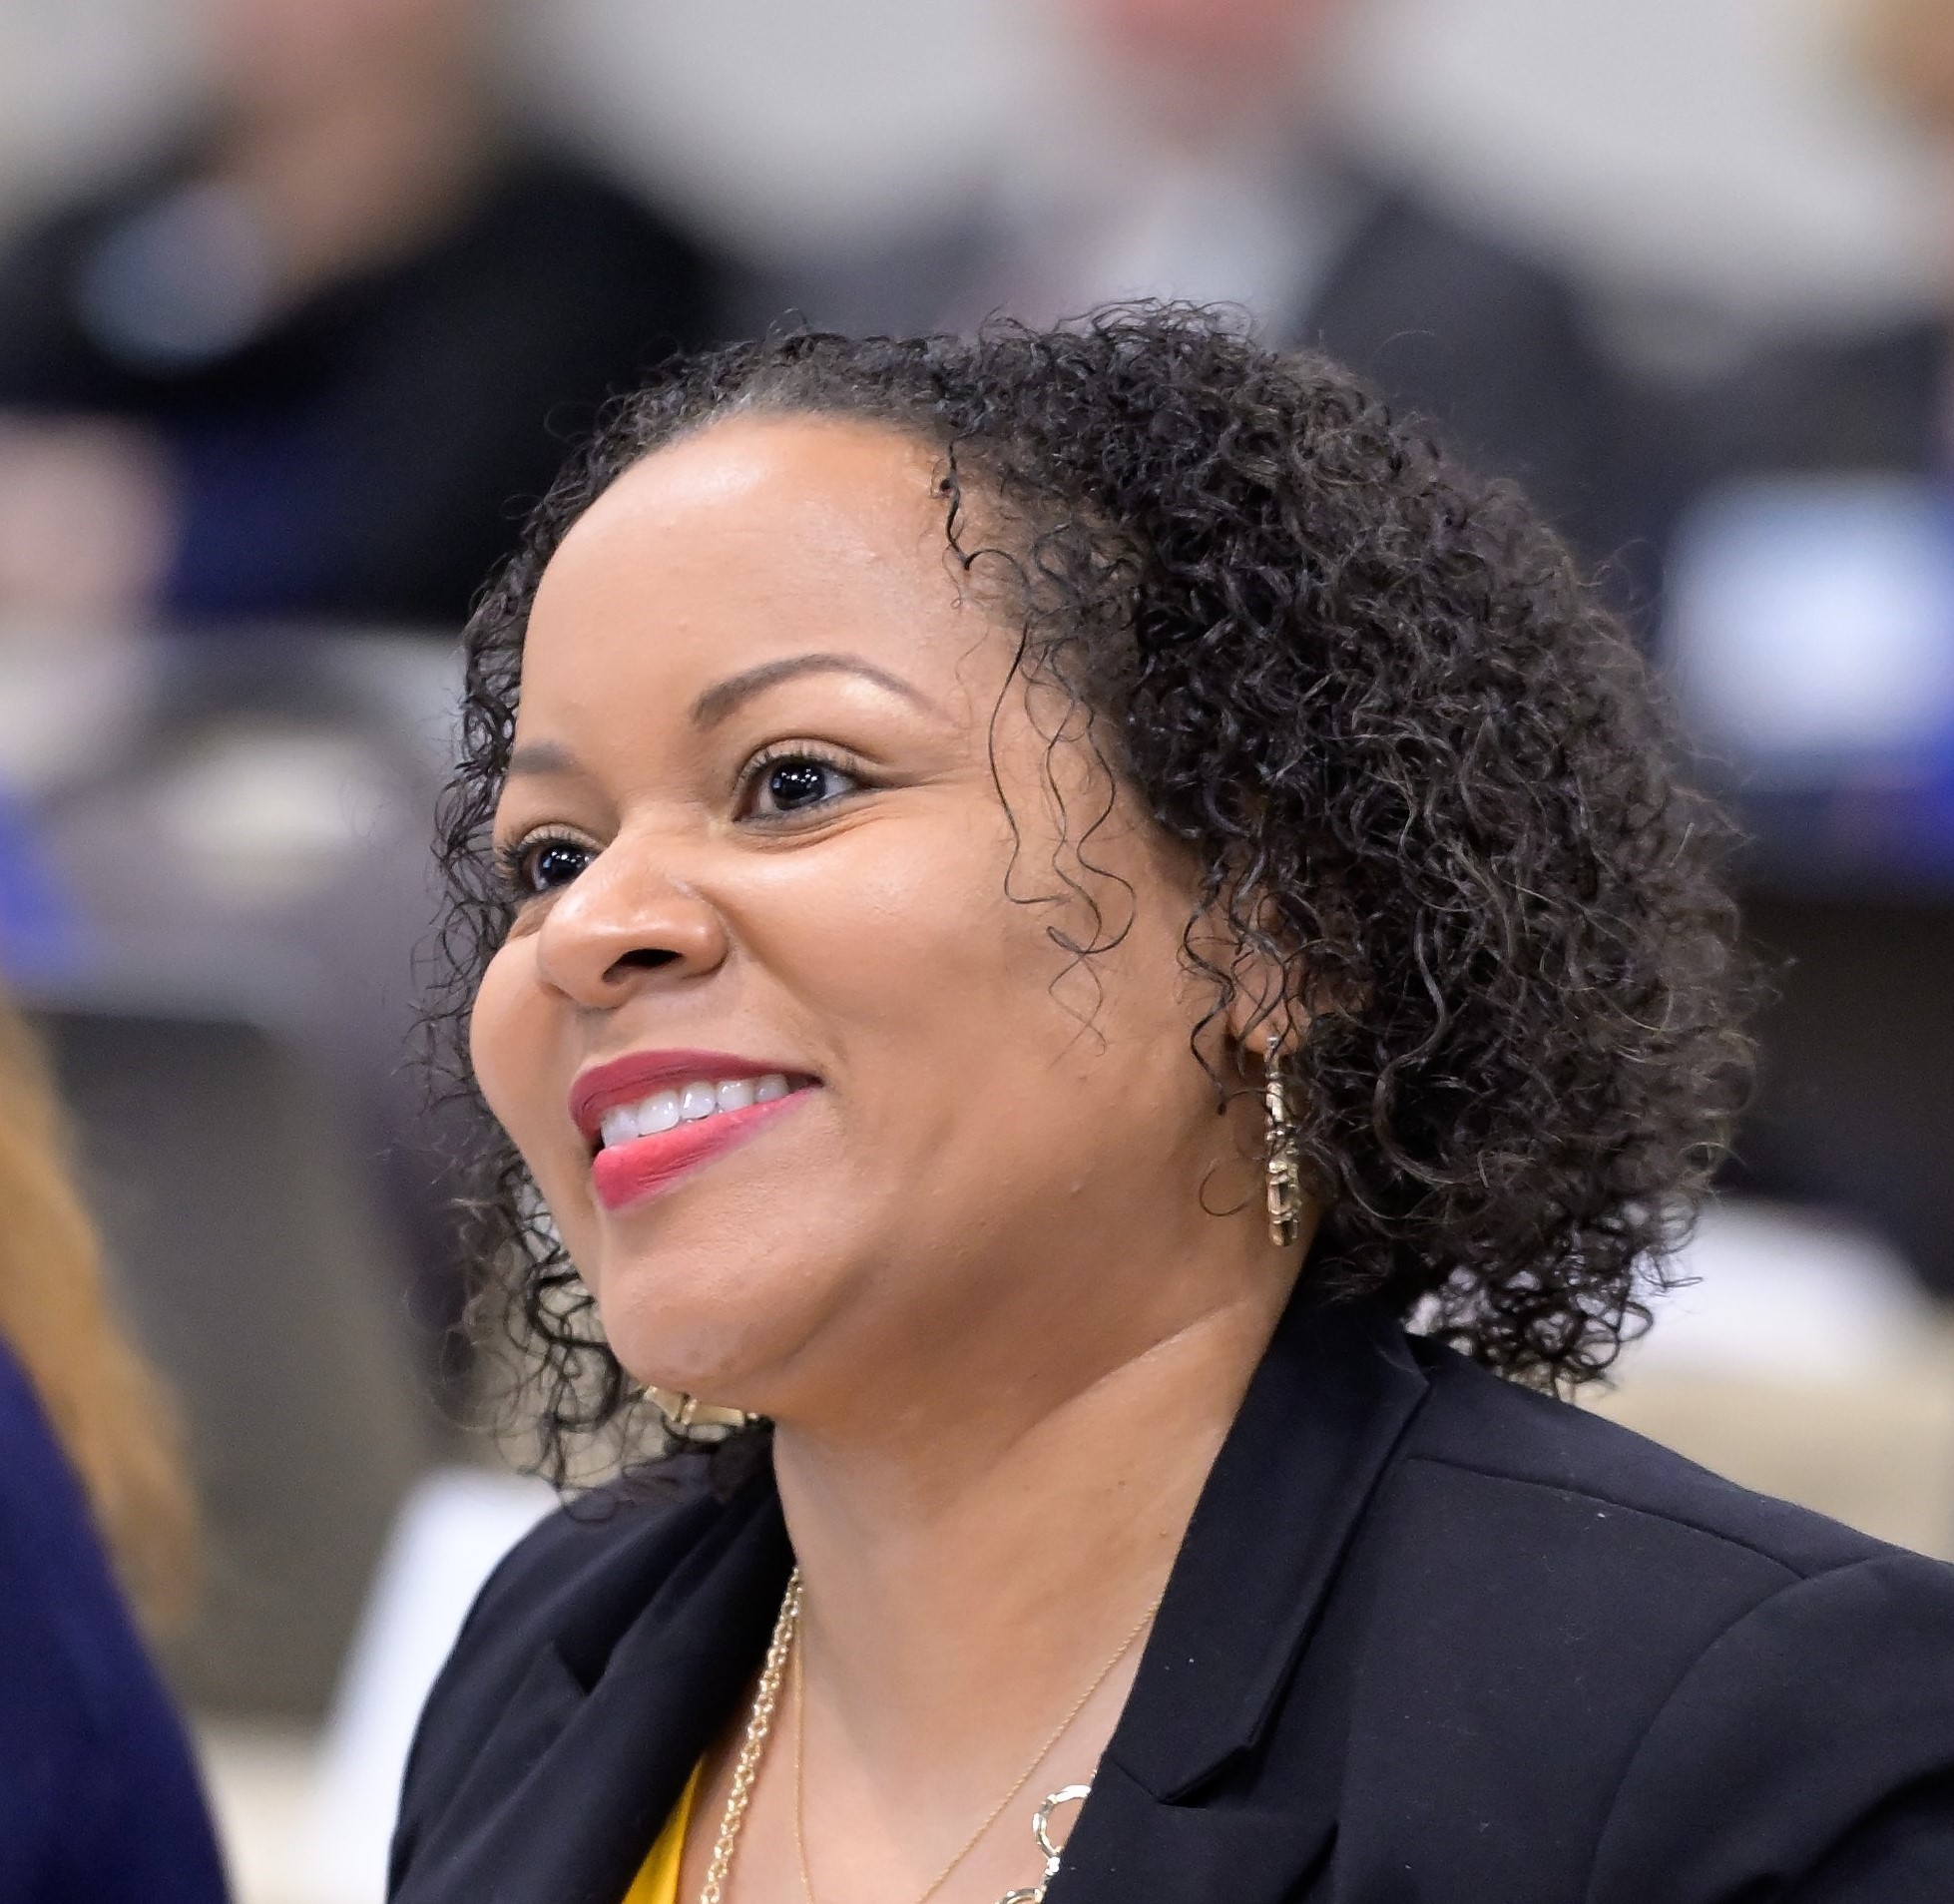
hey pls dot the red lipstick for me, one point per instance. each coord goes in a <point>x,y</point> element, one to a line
<point>626,1172</point>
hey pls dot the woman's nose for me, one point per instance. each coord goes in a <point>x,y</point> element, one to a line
<point>624,922</point>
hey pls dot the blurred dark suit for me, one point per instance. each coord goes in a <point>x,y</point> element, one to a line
<point>1494,349</point>
<point>364,455</point>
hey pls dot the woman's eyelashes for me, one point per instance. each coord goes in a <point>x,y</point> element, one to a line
<point>541,862</point>
<point>784,781</point>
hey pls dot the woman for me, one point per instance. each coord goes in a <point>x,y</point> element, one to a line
<point>1029,905</point>
<point>98,1803</point>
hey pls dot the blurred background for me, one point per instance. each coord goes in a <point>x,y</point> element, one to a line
<point>302,300</point>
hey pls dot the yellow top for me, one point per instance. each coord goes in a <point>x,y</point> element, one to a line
<point>657,1881</point>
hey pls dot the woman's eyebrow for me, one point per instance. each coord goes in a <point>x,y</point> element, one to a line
<point>540,757</point>
<point>723,697</point>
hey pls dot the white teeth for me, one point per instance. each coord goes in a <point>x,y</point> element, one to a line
<point>694,1102</point>
<point>620,1125</point>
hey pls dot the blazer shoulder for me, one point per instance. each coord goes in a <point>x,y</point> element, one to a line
<point>564,1593</point>
<point>1823,1723</point>
<point>1477,1424</point>
<point>1668,1667</point>
<point>588,1565</point>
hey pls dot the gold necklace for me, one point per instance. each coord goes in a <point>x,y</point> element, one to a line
<point>1071,1793</point>
<point>781,1650</point>
<point>760,1723</point>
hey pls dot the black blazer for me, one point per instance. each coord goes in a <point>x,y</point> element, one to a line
<point>1431,1636</point>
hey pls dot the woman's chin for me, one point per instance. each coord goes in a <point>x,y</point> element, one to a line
<point>719,1354</point>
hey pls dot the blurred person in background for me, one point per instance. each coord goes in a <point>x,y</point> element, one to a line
<point>1208,162</point>
<point>1811,631</point>
<point>1879,399</point>
<point>304,363</point>
<point>99,1799</point>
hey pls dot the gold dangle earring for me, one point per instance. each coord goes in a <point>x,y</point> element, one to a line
<point>1283,1162</point>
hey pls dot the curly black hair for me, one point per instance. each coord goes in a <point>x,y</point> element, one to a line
<point>1419,765</point>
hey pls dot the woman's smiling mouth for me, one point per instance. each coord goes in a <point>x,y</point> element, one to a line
<point>655,1116</point>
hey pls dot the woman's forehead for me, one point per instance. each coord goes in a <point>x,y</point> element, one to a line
<point>753,540</point>
<point>788,489</point>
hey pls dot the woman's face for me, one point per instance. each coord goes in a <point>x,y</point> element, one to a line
<point>276,55</point>
<point>790,835</point>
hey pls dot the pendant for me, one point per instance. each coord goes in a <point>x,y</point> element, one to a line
<point>1041,1829</point>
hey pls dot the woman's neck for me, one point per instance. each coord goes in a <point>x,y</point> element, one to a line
<point>986,1480</point>
<point>962,1588</point>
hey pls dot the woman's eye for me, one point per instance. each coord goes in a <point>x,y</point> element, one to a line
<point>795,783</point>
<point>542,865</point>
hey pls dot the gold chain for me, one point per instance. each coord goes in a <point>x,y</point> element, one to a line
<point>996,1811</point>
<point>766,1699</point>
<point>783,1650</point>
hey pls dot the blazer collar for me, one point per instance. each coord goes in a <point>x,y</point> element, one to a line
<point>572,1780</point>
<point>1314,1435</point>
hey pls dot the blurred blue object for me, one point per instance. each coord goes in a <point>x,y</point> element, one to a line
<point>41,935</point>
<point>98,1803</point>
<point>1810,637</point>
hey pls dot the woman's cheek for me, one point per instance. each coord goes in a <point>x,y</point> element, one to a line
<point>512,1047</point>
<point>496,1041</point>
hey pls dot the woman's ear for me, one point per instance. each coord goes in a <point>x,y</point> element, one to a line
<point>1265,1015</point>
<point>1263,1006</point>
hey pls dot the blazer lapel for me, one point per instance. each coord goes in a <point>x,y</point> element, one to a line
<point>1174,1815</point>
<point>574,1780</point>
<point>1142,1851</point>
